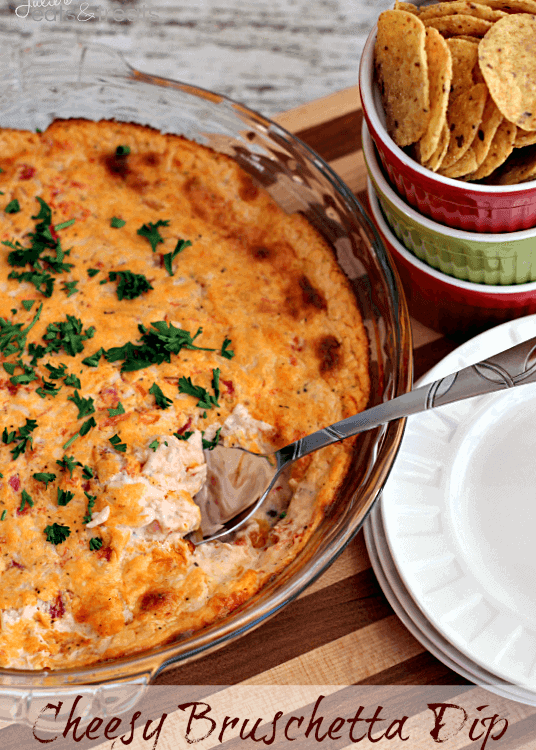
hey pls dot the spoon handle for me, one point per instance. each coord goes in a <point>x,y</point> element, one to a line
<point>514,366</point>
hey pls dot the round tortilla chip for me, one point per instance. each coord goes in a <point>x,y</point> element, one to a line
<point>459,24</point>
<point>501,147</point>
<point>466,165</point>
<point>461,6</point>
<point>435,161</point>
<point>525,138</point>
<point>464,56</point>
<point>464,115</point>
<point>510,6</point>
<point>520,167</point>
<point>491,119</point>
<point>402,71</point>
<point>440,77</point>
<point>507,59</point>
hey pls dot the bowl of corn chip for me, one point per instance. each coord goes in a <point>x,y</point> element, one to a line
<point>449,96</point>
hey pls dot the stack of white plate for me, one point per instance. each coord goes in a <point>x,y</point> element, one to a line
<point>453,538</point>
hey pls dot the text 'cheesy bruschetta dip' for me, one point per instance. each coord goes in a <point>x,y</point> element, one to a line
<point>153,302</point>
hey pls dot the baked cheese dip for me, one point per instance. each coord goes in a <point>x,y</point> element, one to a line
<point>154,303</point>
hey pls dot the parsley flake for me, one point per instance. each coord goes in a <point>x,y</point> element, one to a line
<point>209,445</point>
<point>225,351</point>
<point>206,400</point>
<point>67,334</point>
<point>87,472</point>
<point>64,225</point>
<point>119,409</point>
<point>87,426</point>
<point>56,373</point>
<point>13,207</point>
<point>48,389</point>
<point>129,285</point>
<point>85,406</point>
<point>64,496</point>
<point>183,435</point>
<point>73,380</point>
<point>157,345</point>
<point>3,516</point>
<point>95,543</point>
<point>28,304</point>
<point>56,534</point>
<point>154,445</point>
<point>117,223</point>
<point>162,401</point>
<point>23,438</point>
<point>151,233</point>
<point>26,500</point>
<point>91,272</point>
<point>67,463</point>
<point>122,151</point>
<point>117,444</point>
<point>13,335</point>
<point>90,505</point>
<point>93,359</point>
<point>170,257</point>
<point>69,287</point>
<point>44,477</point>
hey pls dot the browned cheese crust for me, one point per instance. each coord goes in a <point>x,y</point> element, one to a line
<point>253,275</point>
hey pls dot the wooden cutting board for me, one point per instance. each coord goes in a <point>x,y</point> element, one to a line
<point>341,630</point>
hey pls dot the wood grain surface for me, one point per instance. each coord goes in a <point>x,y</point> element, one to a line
<point>342,629</point>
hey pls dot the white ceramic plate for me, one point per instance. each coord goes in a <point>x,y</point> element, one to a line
<point>413,619</point>
<point>459,511</point>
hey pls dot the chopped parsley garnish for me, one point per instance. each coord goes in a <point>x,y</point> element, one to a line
<point>206,400</point>
<point>26,376</point>
<point>3,516</point>
<point>64,496</point>
<point>43,239</point>
<point>129,285</point>
<point>170,257</point>
<point>56,373</point>
<point>85,406</point>
<point>26,500</point>
<point>158,343</point>
<point>13,335</point>
<point>71,441</point>
<point>44,477</point>
<point>87,426</point>
<point>183,436</point>
<point>154,445</point>
<point>122,151</point>
<point>225,351</point>
<point>37,278</point>
<point>90,505</point>
<point>48,389</point>
<point>13,207</point>
<point>67,463</point>
<point>209,445</point>
<point>73,380</point>
<point>115,412</point>
<point>64,225</point>
<point>95,543</point>
<point>28,304</point>
<point>91,272</point>
<point>117,223</point>
<point>93,359</point>
<point>69,287</point>
<point>23,438</point>
<point>87,472</point>
<point>67,334</point>
<point>117,444</point>
<point>56,534</point>
<point>151,233</point>
<point>162,401</point>
<point>36,351</point>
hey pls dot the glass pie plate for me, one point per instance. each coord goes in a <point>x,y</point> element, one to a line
<point>52,80</point>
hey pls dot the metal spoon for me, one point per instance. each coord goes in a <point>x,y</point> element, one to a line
<point>515,366</point>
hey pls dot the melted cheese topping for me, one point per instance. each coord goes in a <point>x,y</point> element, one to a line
<point>94,559</point>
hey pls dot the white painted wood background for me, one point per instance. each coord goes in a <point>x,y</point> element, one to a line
<point>271,55</point>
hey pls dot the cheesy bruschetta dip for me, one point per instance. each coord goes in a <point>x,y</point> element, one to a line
<point>154,302</point>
